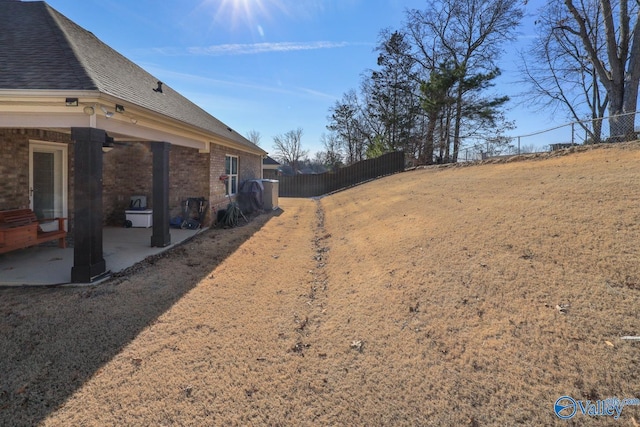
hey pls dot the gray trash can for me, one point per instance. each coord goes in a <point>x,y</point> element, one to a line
<point>270,195</point>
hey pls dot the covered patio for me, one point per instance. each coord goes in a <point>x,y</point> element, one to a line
<point>83,130</point>
<point>50,265</point>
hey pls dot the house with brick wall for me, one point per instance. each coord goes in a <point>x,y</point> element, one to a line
<point>82,129</point>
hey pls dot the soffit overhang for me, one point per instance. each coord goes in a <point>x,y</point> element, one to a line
<point>47,109</point>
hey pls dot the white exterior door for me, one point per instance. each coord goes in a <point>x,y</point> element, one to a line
<point>48,179</point>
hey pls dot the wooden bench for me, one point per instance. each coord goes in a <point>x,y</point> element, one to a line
<point>20,228</point>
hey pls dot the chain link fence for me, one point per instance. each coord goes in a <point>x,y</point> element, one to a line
<point>610,129</point>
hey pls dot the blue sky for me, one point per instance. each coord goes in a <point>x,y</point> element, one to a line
<point>266,65</point>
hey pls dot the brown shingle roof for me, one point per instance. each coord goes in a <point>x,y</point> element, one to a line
<point>42,49</point>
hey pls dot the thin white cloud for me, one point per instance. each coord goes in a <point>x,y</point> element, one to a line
<point>316,94</point>
<point>205,81</point>
<point>245,49</point>
<point>255,48</point>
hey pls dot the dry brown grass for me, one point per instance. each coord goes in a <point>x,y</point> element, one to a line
<point>425,298</point>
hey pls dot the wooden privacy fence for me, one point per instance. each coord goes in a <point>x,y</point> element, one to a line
<point>317,185</point>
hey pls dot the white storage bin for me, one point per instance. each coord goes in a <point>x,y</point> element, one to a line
<point>140,218</point>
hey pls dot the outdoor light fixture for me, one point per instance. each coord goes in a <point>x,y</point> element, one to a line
<point>71,102</point>
<point>119,108</point>
<point>89,110</point>
<point>108,114</point>
<point>108,144</point>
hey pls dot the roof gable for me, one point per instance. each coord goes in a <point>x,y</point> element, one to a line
<point>270,161</point>
<point>42,49</point>
<point>29,41</point>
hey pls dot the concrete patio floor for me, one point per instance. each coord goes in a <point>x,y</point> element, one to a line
<point>41,265</point>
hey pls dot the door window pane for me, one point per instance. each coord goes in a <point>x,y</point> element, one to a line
<point>44,185</point>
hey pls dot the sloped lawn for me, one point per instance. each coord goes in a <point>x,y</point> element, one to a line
<point>465,296</point>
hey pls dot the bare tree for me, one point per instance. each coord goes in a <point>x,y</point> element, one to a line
<point>560,74</point>
<point>288,148</point>
<point>332,156</point>
<point>468,34</point>
<point>617,63</point>
<point>346,122</point>
<point>394,98</point>
<point>254,136</point>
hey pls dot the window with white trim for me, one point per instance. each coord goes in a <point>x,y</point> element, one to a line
<point>231,170</point>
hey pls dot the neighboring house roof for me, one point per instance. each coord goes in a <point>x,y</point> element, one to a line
<point>268,161</point>
<point>40,49</point>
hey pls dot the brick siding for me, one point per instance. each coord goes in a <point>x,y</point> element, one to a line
<point>249,167</point>
<point>14,170</point>
<point>188,177</point>
<point>127,171</point>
